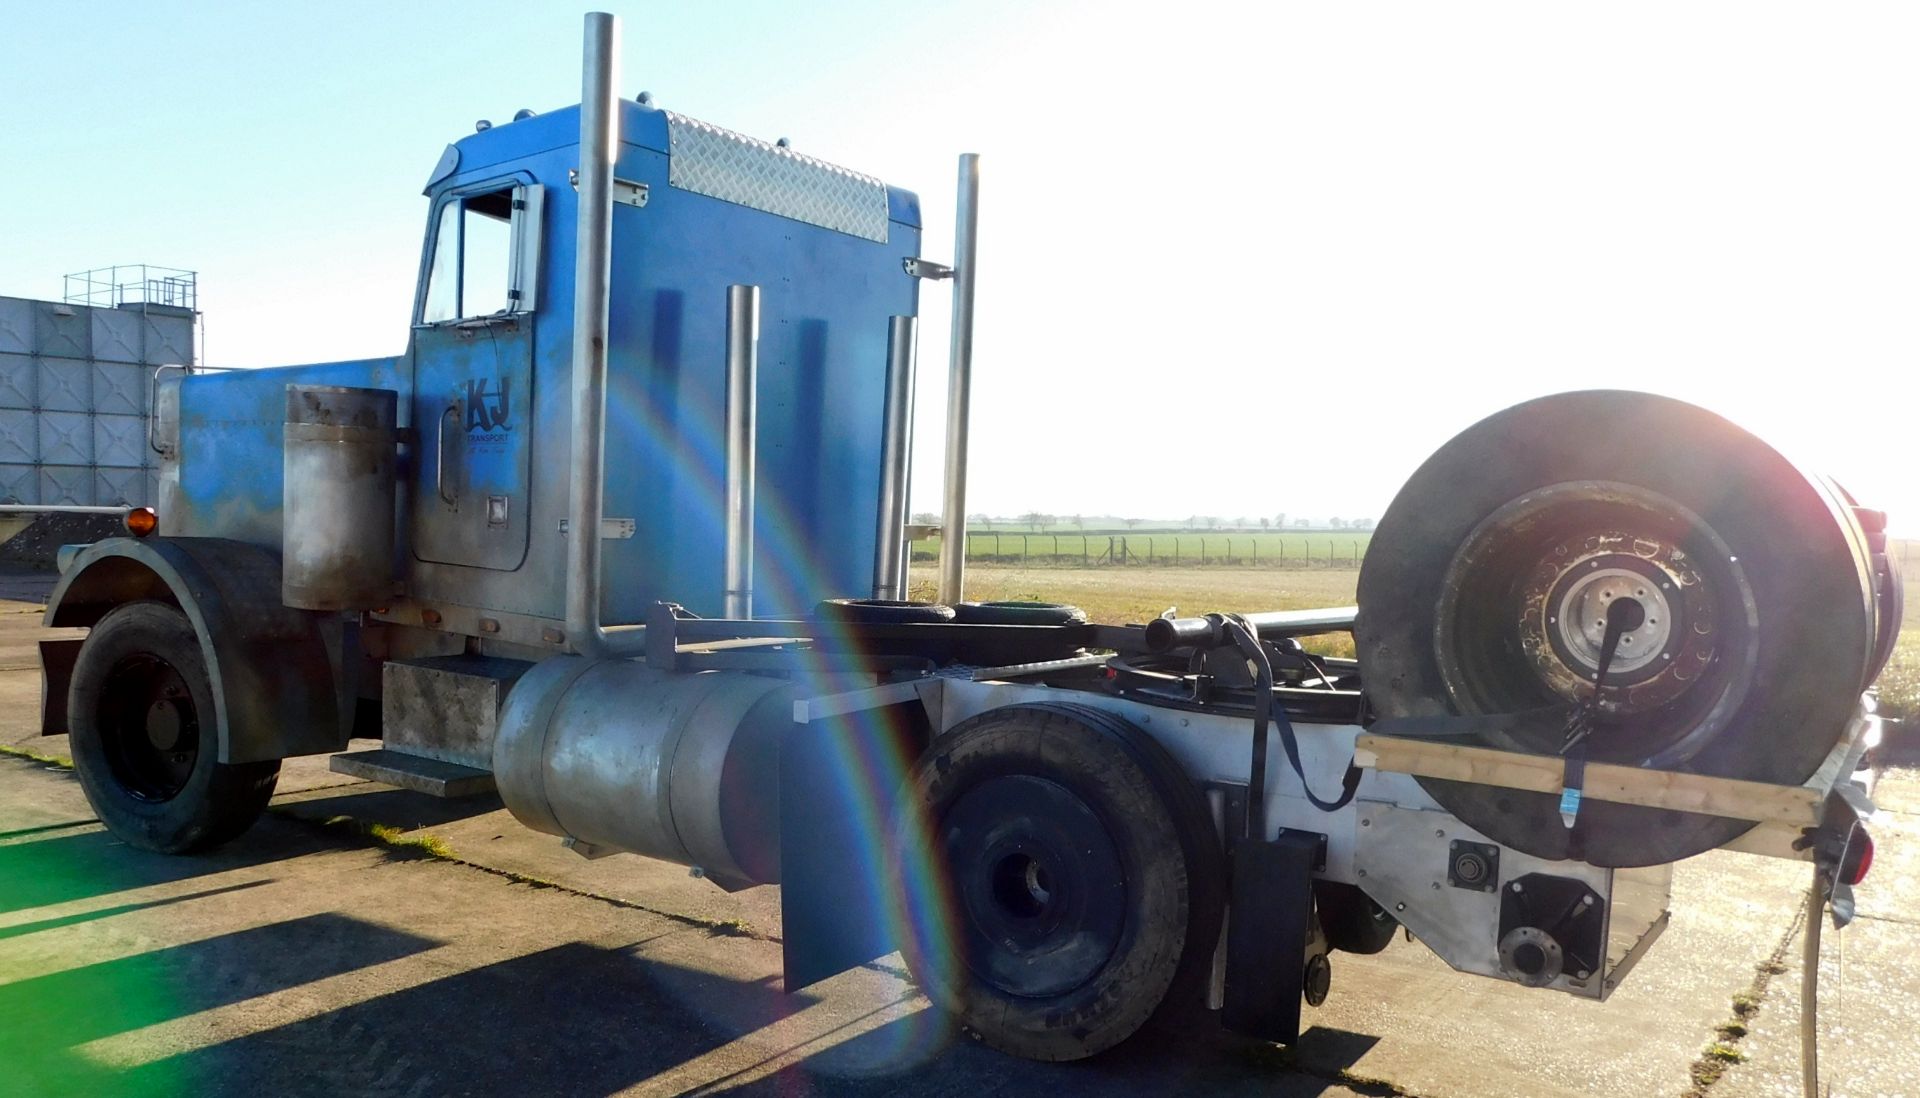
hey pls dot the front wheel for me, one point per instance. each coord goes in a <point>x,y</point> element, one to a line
<point>141,717</point>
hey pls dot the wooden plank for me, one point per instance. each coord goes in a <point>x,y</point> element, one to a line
<point>1731,797</point>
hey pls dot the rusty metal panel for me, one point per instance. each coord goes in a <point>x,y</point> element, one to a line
<point>116,335</point>
<point>65,385</point>
<point>61,331</point>
<point>16,326</point>
<point>66,484</point>
<point>169,339</point>
<point>121,487</point>
<point>66,438</point>
<point>19,484</point>
<point>119,441</point>
<point>16,381</point>
<point>120,389</point>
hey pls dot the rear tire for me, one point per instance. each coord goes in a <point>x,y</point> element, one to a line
<point>140,712</point>
<point>1083,880</point>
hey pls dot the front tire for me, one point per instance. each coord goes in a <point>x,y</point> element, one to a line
<point>141,716</point>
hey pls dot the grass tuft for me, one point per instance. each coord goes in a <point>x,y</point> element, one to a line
<point>60,761</point>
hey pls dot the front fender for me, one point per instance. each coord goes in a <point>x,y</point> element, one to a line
<point>276,692</point>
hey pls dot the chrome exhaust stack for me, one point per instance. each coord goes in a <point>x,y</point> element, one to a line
<point>593,242</point>
<point>953,525</point>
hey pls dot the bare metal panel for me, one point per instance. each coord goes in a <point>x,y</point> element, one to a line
<point>119,440</point>
<point>120,389</point>
<point>719,163</point>
<point>116,334</point>
<point>65,484</point>
<point>66,438</point>
<point>65,385</point>
<point>19,432</point>
<point>19,483</point>
<point>61,331</point>
<point>16,326</point>
<point>122,487</point>
<point>169,339</point>
<point>16,381</point>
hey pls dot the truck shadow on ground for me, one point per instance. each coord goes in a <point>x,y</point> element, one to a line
<point>588,1017</point>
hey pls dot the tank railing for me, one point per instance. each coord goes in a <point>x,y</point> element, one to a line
<point>896,458</point>
<point>133,284</point>
<point>586,487</point>
<point>743,368</point>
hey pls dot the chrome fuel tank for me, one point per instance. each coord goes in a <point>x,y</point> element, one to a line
<point>617,755</point>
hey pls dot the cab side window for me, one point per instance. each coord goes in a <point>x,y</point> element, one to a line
<point>485,253</point>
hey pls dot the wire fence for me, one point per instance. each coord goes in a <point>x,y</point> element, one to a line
<point>1155,550</point>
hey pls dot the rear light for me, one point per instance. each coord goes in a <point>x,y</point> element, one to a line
<point>141,521</point>
<point>1858,858</point>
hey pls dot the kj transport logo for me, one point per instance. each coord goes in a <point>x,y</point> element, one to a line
<point>489,413</point>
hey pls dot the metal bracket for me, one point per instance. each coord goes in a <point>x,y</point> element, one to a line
<point>625,191</point>
<point>612,529</point>
<point>926,268</point>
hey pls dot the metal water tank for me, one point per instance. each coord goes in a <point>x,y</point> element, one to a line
<point>338,497</point>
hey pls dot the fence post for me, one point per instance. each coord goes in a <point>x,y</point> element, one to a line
<point>1025,555</point>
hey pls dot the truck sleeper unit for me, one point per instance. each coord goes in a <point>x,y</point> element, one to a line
<point>621,536</point>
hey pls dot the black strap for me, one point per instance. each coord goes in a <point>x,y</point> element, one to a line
<point>1248,642</point>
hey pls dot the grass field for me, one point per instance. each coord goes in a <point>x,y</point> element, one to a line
<point>1075,549</point>
<point>1119,596</point>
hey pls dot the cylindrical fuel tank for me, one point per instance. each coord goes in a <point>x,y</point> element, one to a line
<point>337,497</point>
<point>1489,585</point>
<point>673,765</point>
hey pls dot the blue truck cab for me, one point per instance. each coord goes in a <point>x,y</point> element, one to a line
<point>483,382</point>
<point>483,424</point>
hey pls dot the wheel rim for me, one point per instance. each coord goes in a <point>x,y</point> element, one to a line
<point>149,728</point>
<point>1040,886</point>
<point>1523,615</point>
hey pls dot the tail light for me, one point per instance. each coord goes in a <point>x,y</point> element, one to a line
<point>141,521</point>
<point>1858,858</point>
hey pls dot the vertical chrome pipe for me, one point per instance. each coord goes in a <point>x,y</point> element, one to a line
<point>593,244</point>
<point>953,525</point>
<point>743,368</point>
<point>896,455</point>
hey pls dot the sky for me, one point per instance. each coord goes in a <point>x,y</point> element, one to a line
<point>1337,233</point>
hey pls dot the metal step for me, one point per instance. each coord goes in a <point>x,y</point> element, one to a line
<point>422,775</point>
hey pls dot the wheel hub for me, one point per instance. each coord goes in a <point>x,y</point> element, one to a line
<point>149,727</point>
<point>1524,611</point>
<point>1563,618</point>
<point>1040,887</point>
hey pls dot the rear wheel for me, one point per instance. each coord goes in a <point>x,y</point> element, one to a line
<point>1082,880</point>
<point>141,716</point>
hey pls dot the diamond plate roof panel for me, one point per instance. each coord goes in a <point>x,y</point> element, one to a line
<point>719,163</point>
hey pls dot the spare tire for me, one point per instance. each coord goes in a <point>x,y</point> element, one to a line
<point>1018,613</point>
<point>1485,587</point>
<point>883,612</point>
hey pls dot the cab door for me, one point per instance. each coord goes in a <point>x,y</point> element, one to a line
<point>472,358</point>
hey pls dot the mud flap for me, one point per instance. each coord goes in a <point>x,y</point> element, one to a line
<point>840,783</point>
<point>56,670</point>
<point>1268,926</point>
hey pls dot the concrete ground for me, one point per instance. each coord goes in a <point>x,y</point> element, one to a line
<point>309,958</point>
